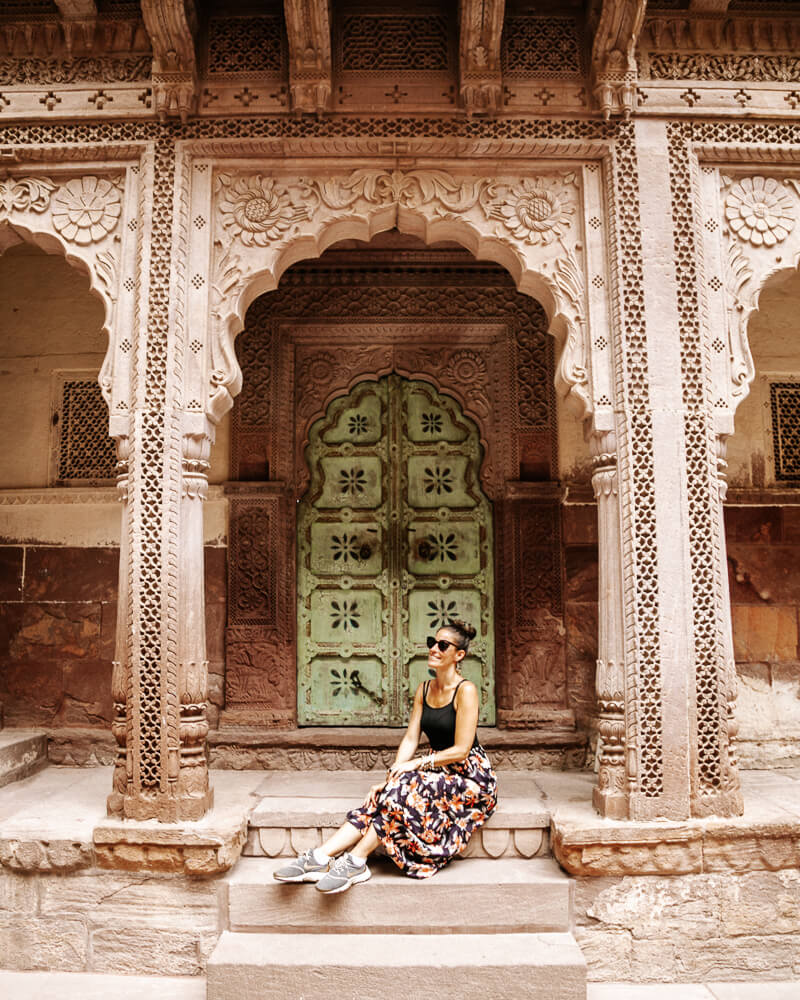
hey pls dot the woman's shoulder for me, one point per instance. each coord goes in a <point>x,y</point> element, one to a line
<point>466,687</point>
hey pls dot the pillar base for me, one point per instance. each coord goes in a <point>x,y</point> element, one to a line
<point>160,806</point>
<point>611,804</point>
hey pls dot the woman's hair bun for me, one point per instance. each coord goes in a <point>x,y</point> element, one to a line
<point>466,630</point>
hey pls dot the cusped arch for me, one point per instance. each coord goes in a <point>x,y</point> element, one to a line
<point>101,278</point>
<point>564,310</point>
<point>482,420</point>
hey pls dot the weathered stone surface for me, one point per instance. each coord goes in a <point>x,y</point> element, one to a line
<point>333,966</point>
<point>607,954</point>
<point>22,753</point>
<point>63,573</point>
<point>662,907</point>
<point>45,856</point>
<point>579,524</point>
<point>581,573</point>
<point>216,574</point>
<point>81,747</point>
<point>113,900</point>
<point>754,524</point>
<point>11,559</point>
<point>761,900</point>
<point>764,632</point>
<point>140,951</point>
<point>34,943</point>
<point>18,894</point>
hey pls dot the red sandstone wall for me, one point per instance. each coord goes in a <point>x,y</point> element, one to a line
<point>57,625</point>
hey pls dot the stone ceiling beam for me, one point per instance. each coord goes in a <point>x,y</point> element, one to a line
<point>172,26</point>
<point>614,73</point>
<point>308,26</point>
<point>479,63</point>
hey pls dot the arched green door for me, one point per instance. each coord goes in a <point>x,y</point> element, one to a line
<point>394,539</point>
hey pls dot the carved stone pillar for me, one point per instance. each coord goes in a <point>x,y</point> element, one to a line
<point>731,687</point>
<point>610,797</point>
<point>193,788</point>
<point>120,677</point>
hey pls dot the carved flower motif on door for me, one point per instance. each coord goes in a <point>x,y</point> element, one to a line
<point>465,367</point>
<point>758,211</point>
<point>535,214</point>
<point>86,209</point>
<point>258,210</point>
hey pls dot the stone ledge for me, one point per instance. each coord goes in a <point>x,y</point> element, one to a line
<point>56,822</point>
<point>765,838</point>
<point>320,748</point>
<point>23,752</point>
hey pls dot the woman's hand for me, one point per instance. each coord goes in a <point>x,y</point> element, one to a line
<point>406,765</point>
<point>375,789</point>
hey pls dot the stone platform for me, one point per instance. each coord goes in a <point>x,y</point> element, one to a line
<point>707,900</point>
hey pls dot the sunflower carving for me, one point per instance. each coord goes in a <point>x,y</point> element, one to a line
<point>535,214</point>
<point>257,209</point>
<point>758,211</point>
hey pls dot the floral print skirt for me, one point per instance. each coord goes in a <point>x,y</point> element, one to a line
<point>425,818</point>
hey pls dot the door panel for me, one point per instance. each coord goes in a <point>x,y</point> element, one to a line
<point>394,540</point>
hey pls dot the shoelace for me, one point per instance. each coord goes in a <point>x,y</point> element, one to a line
<point>339,866</point>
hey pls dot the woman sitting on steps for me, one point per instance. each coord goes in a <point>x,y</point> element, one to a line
<point>428,807</point>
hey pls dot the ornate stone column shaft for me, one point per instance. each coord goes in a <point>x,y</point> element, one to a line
<point>610,797</point>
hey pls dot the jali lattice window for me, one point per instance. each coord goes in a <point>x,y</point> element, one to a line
<point>784,400</point>
<point>83,451</point>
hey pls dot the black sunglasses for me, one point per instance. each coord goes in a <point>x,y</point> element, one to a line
<point>443,644</point>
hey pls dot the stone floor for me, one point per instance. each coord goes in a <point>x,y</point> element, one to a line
<point>87,986</point>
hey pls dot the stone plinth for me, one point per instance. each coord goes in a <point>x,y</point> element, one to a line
<point>766,837</point>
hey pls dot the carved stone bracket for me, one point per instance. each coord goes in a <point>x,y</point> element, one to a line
<point>480,75</point>
<point>614,72</point>
<point>172,26</point>
<point>309,31</point>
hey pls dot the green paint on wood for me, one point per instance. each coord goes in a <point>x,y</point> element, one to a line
<point>394,539</point>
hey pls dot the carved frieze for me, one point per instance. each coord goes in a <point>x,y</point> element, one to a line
<point>534,219</point>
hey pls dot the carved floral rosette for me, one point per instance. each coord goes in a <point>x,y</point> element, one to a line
<point>530,225</point>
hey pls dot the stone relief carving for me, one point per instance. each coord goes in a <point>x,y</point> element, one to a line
<point>533,218</point>
<point>25,194</point>
<point>756,237</point>
<point>86,209</point>
<point>257,209</point>
<point>758,211</point>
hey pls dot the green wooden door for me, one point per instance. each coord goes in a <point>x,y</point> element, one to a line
<point>394,539</point>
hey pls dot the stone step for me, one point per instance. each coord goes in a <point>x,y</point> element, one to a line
<point>369,966</point>
<point>296,811</point>
<point>22,753</point>
<point>472,896</point>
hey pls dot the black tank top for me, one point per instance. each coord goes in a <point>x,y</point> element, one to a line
<point>439,724</point>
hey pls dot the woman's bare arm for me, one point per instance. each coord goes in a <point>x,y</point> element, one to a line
<point>410,741</point>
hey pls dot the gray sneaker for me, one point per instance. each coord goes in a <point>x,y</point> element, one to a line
<point>344,872</point>
<point>303,869</point>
